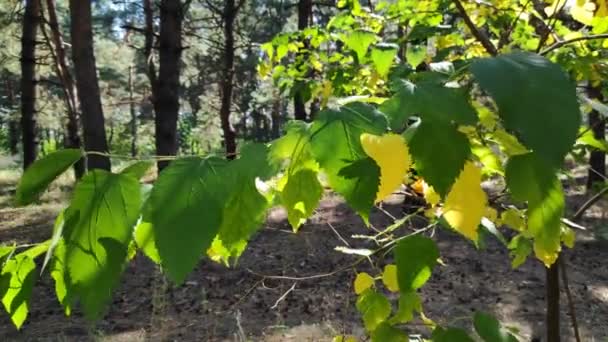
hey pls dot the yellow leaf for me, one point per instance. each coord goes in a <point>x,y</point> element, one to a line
<point>391,154</point>
<point>389,278</point>
<point>465,204</point>
<point>363,281</point>
<point>491,214</point>
<point>513,218</point>
<point>568,237</point>
<point>430,195</point>
<point>344,338</point>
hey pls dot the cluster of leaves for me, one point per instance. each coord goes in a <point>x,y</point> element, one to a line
<point>211,206</point>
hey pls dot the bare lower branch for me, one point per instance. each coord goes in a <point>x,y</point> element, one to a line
<point>479,35</point>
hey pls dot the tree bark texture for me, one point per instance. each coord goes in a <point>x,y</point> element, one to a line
<point>65,76</point>
<point>85,72</point>
<point>166,89</point>
<point>229,15</point>
<point>29,133</point>
<point>133,124</point>
<point>552,294</point>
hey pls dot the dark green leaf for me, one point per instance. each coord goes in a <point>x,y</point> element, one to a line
<point>415,257</point>
<point>42,172</point>
<point>439,152</point>
<point>536,101</point>
<point>98,228</point>
<point>430,101</point>
<point>489,329</point>
<point>335,142</point>
<point>450,335</point>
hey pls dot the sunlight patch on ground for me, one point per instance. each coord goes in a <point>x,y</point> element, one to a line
<point>127,336</point>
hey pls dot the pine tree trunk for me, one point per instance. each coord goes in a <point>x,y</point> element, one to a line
<point>63,73</point>
<point>230,12</point>
<point>29,132</point>
<point>13,124</point>
<point>166,96</point>
<point>133,114</point>
<point>597,159</point>
<point>299,105</point>
<point>93,122</point>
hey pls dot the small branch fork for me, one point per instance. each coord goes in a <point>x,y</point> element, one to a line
<point>478,34</point>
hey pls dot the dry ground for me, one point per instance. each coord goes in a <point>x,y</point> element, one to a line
<point>219,304</point>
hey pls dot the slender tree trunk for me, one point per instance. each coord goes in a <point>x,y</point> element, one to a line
<point>552,294</point>
<point>133,114</point>
<point>230,12</point>
<point>29,132</point>
<point>597,159</point>
<point>166,98</point>
<point>13,124</point>
<point>93,122</point>
<point>275,115</point>
<point>299,105</point>
<point>67,81</point>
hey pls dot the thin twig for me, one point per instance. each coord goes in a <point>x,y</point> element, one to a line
<point>338,234</point>
<point>479,35</point>
<point>581,211</point>
<point>561,43</point>
<point>283,296</point>
<point>571,308</point>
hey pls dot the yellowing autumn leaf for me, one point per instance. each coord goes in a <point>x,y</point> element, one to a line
<point>465,204</point>
<point>389,278</point>
<point>363,281</point>
<point>430,195</point>
<point>391,154</point>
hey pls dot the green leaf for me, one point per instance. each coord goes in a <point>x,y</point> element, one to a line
<point>408,303</point>
<point>364,176</point>
<point>144,238</point>
<point>16,283</point>
<point>439,152</point>
<point>430,101</point>
<point>359,41</point>
<point>245,208</point>
<point>415,257</point>
<point>519,249</point>
<point>387,333</point>
<point>97,231</point>
<point>383,56</point>
<point>138,169</point>
<point>59,274</point>
<point>335,141</point>
<point>450,335</point>
<point>185,209</point>
<point>587,138</point>
<point>300,196</point>
<point>42,172</point>
<point>536,101</point>
<point>415,54</point>
<point>374,308</point>
<point>489,329</point>
<point>530,179</point>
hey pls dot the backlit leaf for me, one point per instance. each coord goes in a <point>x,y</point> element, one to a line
<point>465,205</point>
<point>16,283</point>
<point>383,56</point>
<point>363,281</point>
<point>42,172</point>
<point>97,231</point>
<point>374,308</point>
<point>387,333</point>
<point>391,154</point>
<point>389,278</point>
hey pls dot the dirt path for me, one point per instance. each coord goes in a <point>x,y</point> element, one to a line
<point>219,304</point>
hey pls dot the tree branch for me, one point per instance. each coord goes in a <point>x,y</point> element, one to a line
<point>562,43</point>
<point>480,36</point>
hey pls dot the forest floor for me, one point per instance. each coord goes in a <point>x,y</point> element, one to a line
<point>246,303</point>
